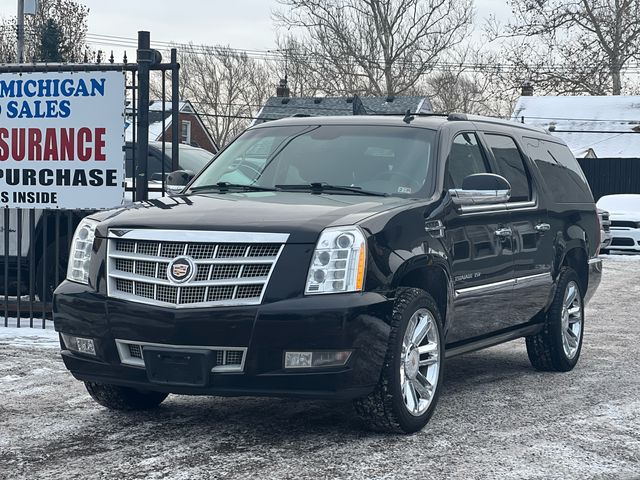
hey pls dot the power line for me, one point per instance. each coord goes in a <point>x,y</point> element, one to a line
<point>278,55</point>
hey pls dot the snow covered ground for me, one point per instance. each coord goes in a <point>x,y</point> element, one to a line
<point>497,418</point>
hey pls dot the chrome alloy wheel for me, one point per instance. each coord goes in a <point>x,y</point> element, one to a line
<point>571,320</point>
<point>420,364</point>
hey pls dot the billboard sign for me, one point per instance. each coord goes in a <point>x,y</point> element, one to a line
<point>62,139</point>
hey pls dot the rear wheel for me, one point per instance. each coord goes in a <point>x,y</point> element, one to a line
<point>124,398</point>
<point>409,385</point>
<point>558,346</point>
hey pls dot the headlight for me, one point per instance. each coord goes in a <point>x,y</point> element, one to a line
<point>80,254</point>
<point>338,262</point>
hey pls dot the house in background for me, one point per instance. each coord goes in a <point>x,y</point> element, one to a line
<point>592,127</point>
<point>192,130</point>
<point>283,105</point>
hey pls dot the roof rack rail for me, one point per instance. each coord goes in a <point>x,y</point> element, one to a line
<point>464,117</point>
<point>417,114</point>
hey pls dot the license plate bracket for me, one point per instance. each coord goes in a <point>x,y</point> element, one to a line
<point>184,367</point>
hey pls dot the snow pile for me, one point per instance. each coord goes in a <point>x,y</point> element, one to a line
<point>25,336</point>
<point>630,257</point>
<point>602,124</point>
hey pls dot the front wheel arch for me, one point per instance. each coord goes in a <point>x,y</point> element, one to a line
<point>433,279</point>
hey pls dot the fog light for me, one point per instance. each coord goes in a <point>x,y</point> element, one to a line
<point>316,359</point>
<point>79,344</point>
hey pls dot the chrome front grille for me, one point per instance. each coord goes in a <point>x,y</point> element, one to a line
<point>230,268</point>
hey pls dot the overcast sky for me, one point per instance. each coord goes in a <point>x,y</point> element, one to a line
<point>244,24</point>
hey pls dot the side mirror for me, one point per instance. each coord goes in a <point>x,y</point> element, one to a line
<point>176,181</point>
<point>482,189</point>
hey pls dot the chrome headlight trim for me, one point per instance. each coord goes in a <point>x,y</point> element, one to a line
<point>81,251</point>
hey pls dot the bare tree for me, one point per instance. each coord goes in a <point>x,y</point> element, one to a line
<point>375,47</point>
<point>70,18</point>
<point>573,46</point>
<point>226,87</point>
<point>456,91</point>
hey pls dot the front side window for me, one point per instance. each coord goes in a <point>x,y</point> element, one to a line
<point>389,160</point>
<point>510,165</point>
<point>465,158</point>
<point>154,164</point>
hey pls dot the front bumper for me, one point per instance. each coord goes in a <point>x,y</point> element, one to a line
<point>357,322</point>
<point>625,239</point>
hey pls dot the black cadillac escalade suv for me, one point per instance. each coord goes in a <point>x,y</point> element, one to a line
<point>336,258</point>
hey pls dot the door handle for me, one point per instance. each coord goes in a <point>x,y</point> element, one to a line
<point>503,232</point>
<point>543,227</point>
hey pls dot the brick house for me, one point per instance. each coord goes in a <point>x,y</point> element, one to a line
<point>192,130</point>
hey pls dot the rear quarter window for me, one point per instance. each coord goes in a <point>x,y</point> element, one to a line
<point>560,170</point>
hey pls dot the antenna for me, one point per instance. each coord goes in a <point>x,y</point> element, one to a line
<point>408,117</point>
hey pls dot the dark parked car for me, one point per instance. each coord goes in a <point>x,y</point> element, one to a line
<point>337,258</point>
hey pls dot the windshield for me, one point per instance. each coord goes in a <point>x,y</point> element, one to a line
<point>384,159</point>
<point>193,159</point>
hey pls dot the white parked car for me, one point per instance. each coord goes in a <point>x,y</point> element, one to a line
<point>605,230</point>
<point>624,214</point>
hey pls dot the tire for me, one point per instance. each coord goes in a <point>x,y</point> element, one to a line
<point>402,380</point>
<point>124,398</point>
<point>557,348</point>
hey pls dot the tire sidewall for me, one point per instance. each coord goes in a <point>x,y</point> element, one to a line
<point>407,421</point>
<point>555,320</point>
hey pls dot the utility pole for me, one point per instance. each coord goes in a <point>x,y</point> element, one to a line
<point>20,51</point>
<point>25,7</point>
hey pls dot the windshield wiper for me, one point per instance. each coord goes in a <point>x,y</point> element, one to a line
<point>226,186</point>
<point>323,187</point>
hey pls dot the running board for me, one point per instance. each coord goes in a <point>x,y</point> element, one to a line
<point>492,340</point>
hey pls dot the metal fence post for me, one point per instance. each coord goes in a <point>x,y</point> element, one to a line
<point>175,112</point>
<point>144,59</point>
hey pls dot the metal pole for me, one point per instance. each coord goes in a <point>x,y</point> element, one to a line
<point>175,114</point>
<point>144,64</point>
<point>20,26</point>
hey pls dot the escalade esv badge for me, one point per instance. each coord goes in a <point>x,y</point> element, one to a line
<point>181,270</point>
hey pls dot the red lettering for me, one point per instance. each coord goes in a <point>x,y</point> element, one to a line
<point>4,148</point>
<point>67,145</point>
<point>18,146</point>
<point>84,137</point>
<point>50,144</point>
<point>99,145</point>
<point>35,144</point>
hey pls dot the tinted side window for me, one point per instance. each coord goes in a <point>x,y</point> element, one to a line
<point>510,165</point>
<point>560,170</point>
<point>465,158</point>
<point>154,165</point>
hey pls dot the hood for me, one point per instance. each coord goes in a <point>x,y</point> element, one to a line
<point>621,206</point>
<point>625,216</point>
<point>301,214</point>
